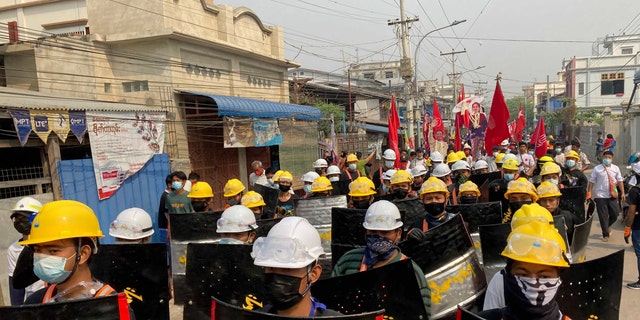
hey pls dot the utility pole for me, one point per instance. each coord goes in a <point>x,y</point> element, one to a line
<point>406,66</point>
<point>481,85</point>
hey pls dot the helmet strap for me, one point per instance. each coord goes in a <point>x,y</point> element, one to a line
<point>309,267</point>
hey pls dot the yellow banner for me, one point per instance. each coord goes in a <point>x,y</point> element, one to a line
<point>59,122</point>
<point>44,121</point>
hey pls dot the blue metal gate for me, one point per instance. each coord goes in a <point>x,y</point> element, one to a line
<point>142,190</point>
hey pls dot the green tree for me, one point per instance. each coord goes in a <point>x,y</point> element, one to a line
<point>513,104</point>
<point>327,109</point>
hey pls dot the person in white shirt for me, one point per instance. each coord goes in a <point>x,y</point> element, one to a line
<point>526,161</point>
<point>605,187</point>
<point>258,176</point>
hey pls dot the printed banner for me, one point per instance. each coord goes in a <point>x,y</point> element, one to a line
<point>59,123</point>
<point>78,124</point>
<point>40,124</point>
<point>238,132</point>
<point>22,122</point>
<point>121,144</point>
<point>267,132</point>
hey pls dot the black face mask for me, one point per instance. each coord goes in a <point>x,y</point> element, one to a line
<point>282,290</point>
<point>434,209</point>
<point>400,193</point>
<point>329,159</point>
<point>468,199</point>
<point>319,171</point>
<point>22,226</point>
<point>199,206</point>
<point>232,202</point>
<point>284,188</point>
<point>515,206</point>
<point>361,204</point>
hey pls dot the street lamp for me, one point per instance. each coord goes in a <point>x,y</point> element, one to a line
<point>415,63</point>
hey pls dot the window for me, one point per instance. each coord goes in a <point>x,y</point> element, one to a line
<point>107,87</point>
<point>626,50</point>
<point>581,88</point>
<point>612,83</point>
<point>135,86</point>
<point>388,74</point>
<point>369,76</point>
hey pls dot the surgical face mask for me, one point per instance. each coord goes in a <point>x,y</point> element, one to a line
<point>283,290</point>
<point>22,226</point>
<point>530,152</point>
<point>270,181</point>
<point>232,202</point>
<point>199,206</point>
<point>276,186</point>
<point>361,204</point>
<point>400,193</point>
<point>606,161</point>
<point>334,179</point>
<point>284,188</point>
<point>50,268</point>
<point>558,150</point>
<point>495,154</point>
<point>554,181</point>
<point>385,188</point>
<point>434,209</point>
<point>389,163</point>
<point>508,176</point>
<point>307,188</point>
<point>353,166</point>
<point>230,241</point>
<point>516,205</point>
<point>176,185</point>
<point>571,163</point>
<point>468,199</point>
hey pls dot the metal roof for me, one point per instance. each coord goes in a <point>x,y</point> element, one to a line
<point>245,107</point>
<point>26,99</point>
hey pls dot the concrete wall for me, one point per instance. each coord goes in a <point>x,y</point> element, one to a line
<point>589,70</point>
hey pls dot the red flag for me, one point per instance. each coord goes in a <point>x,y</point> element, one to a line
<point>512,127</point>
<point>520,124</point>
<point>394,124</point>
<point>497,129</point>
<point>465,113</point>
<point>540,138</point>
<point>458,141</point>
<point>438,126</point>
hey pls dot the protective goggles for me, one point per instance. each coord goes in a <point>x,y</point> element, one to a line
<point>267,250</point>
<point>536,248</point>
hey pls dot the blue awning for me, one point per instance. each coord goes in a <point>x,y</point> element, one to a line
<point>245,107</point>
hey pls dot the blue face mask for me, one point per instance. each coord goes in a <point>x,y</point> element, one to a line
<point>558,150</point>
<point>571,163</point>
<point>389,163</point>
<point>307,188</point>
<point>385,189</point>
<point>353,166</point>
<point>509,176</point>
<point>50,268</point>
<point>606,162</point>
<point>176,185</point>
<point>554,181</point>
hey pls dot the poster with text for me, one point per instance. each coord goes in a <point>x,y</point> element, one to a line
<point>121,144</point>
<point>267,133</point>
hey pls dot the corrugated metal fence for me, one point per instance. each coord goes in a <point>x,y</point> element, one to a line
<point>142,190</point>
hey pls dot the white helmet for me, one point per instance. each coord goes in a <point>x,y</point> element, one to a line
<point>441,170</point>
<point>320,163</point>
<point>131,224</point>
<point>388,174</point>
<point>24,205</point>
<point>436,157</point>
<point>636,167</point>
<point>418,170</point>
<point>510,156</point>
<point>292,243</point>
<point>382,215</point>
<point>481,164</point>
<point>310,176</point>
<point>333,170</point>
<point>505,143</point>
<point>236,219</point>
<point>460,165</point>
<point>389,155</point>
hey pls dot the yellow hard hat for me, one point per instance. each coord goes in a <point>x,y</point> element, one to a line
<point>276,176</point>
<point>572,154</point>
<point>550,137</point>
<point>361,187</point>
<point>452,157</point>
<point>233,187</point>
<point>510,164</point>
<point>433,185</point>
<point>538,243</point>
<point>469,186</point>
<point>521,185</point>
<point>321,184</point>
<point>530,212</point>
<point>544,159</point>
<point>286,175</point>
<point>550,168</point>
<point>200,189</point>
<point>461,155</point>
<point>252,199</point>
<point>548,190</point>
<point>351,157</point>
<point>401,176</point>
<point>63,219</point>
<point>500,157</point>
